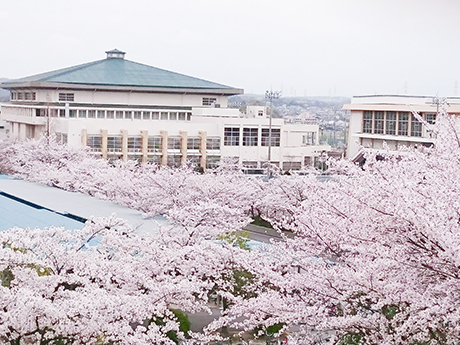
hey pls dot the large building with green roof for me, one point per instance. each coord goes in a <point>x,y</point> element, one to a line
<point>128,110</point>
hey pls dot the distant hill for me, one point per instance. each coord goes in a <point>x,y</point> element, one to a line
<point>4,94</point>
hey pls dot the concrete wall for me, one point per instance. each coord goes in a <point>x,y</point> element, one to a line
<point>128,98</point>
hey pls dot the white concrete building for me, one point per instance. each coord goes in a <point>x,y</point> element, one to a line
<point>390,119</point>
<point>123,109</point>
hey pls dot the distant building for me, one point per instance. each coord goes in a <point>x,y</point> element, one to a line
<point>126,110</point>
<point>390,119</point>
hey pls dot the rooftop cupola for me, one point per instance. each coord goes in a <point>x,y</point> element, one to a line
<point>115,54</point>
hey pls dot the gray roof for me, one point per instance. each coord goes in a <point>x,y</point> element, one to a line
<point>119,72</point>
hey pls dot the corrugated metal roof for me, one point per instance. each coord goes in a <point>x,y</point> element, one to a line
<point>120,72</point>
<point>43,206</point>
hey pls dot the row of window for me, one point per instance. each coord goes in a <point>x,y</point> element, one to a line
<point>23,96</point>
<point>32,96</point>
<point>116,114</point>
<point>172,160</point>
<point>251,136</point>
<point>394,123</point>
<point>66,97</point>
<point>70,97</point>
<point>114,149</point>
<point>154,144</point>
<point>286,166</point>
<point>209,101</point>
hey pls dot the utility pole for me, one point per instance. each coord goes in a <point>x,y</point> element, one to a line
<point>438,101</point>
<point>271,95</point>
<point>335,118</point>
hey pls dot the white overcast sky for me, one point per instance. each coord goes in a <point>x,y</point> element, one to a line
<point>302,47</point>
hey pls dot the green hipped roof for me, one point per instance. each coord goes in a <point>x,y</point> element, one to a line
<point>121,72</point>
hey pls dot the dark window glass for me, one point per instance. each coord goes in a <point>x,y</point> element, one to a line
<point>231,136</point>
<point>276,136</point>
<point>250,136</point>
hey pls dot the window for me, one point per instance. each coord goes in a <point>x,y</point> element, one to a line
<point>430,118</point>
<point>119,114</point>
<point>391,123</point>
<point>135,144</point>
<point>61,112</point>
<point>146,115</point>
<point>317,163</point>
<point>154,144</point>
<point>91,114</point>
<point>110,114</point>
<point>40,112</point>
<point>250,136</point>
<point>378,122</point>
<point>173,116</point>
<point>138,115</point>
<point>128,115</point>
<point>137,158</point>
<point>249,164</point>
<point>193,143</point>
<point>209,101</point>
<point>114,143</point>
<point>292,166</point>
<point>20,96</point>
<point>100,114</point>
<point>14,95</point>
<point>416,127</point>
<point>307,161</point>
<point>193,159</point>
<point>154,159</point>
<point>155,115</point>
<point>367,122</point>
<point>403,123</point>
<point>309,138</point>
<point>164,115</point>
<point>189,116</point>
<point>181,116</point>
<point>61,138</point>
<point>276,135</point>
<point>174,161</point>
<point>212,162</point>
<point>94,142</point>
<point>174,143</point>
<point>213,144</point>
<point>66,97</point>
<point>72,113</point>
<point>231,136</point>
<point>29,96</point>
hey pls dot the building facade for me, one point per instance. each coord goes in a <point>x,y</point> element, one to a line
<point>390,119</point>
<point>125,110</point>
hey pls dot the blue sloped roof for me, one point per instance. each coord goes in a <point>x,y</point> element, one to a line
<point>121,72</point>
<point>16,214</point>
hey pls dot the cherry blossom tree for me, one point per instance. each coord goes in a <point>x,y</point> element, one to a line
<point>374,257</point>
<point>222,200</point>
<point>136,281</point>
<point>103,284</point>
